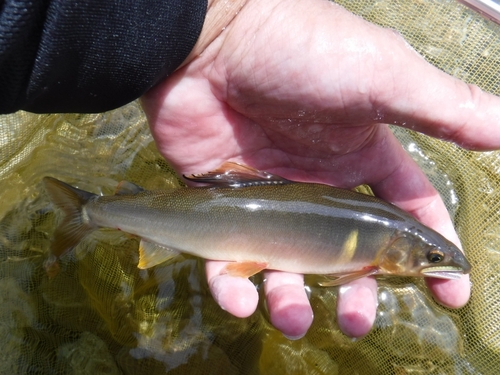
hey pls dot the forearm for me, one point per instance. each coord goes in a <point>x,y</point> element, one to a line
<point>92,56</point>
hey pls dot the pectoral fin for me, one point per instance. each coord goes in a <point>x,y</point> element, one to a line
<point>343,278</point>
<point>151,254</point>
<point>232,174</point>
<point>244,269</point>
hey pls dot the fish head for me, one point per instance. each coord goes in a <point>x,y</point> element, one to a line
<point>412,255</point>
<point>443,262</point>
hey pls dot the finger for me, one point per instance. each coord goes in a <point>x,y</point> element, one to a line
<point>289,307</point>
<point>450,293</point>
<point>428,100</point>
<point>236,295</point>
<point>408,187</point>
<point>357,306</point>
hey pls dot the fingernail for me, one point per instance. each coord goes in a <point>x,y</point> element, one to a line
<point>293,338</point>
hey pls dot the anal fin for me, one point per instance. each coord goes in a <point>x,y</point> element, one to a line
<point>152,254</point>
<point>342,278</point>
<point>244,269</point>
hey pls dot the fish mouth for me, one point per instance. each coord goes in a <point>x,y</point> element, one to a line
<point>448,273</point>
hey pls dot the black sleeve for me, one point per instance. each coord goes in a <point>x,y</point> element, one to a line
<point>90,55</point>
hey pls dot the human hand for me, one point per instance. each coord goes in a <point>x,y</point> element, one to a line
<point>301,88</point>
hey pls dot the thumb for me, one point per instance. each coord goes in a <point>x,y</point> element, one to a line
<point>430,101</point>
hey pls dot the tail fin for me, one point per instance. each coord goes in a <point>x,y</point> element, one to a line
<point>74,226</point>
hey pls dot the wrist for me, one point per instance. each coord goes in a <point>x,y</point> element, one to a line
<point>220,13</point>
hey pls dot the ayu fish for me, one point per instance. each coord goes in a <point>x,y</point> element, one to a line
<point>261,221</point>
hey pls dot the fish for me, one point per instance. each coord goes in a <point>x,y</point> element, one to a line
<point>257,220</point>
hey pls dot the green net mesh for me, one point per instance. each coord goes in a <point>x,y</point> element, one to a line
<point>102,315</point>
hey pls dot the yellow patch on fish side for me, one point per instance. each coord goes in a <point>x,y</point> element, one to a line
<point>349,247</point>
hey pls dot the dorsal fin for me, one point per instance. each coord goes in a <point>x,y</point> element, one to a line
<point>232,174</point>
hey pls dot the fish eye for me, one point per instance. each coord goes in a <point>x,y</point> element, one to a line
<point>435,256</point>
